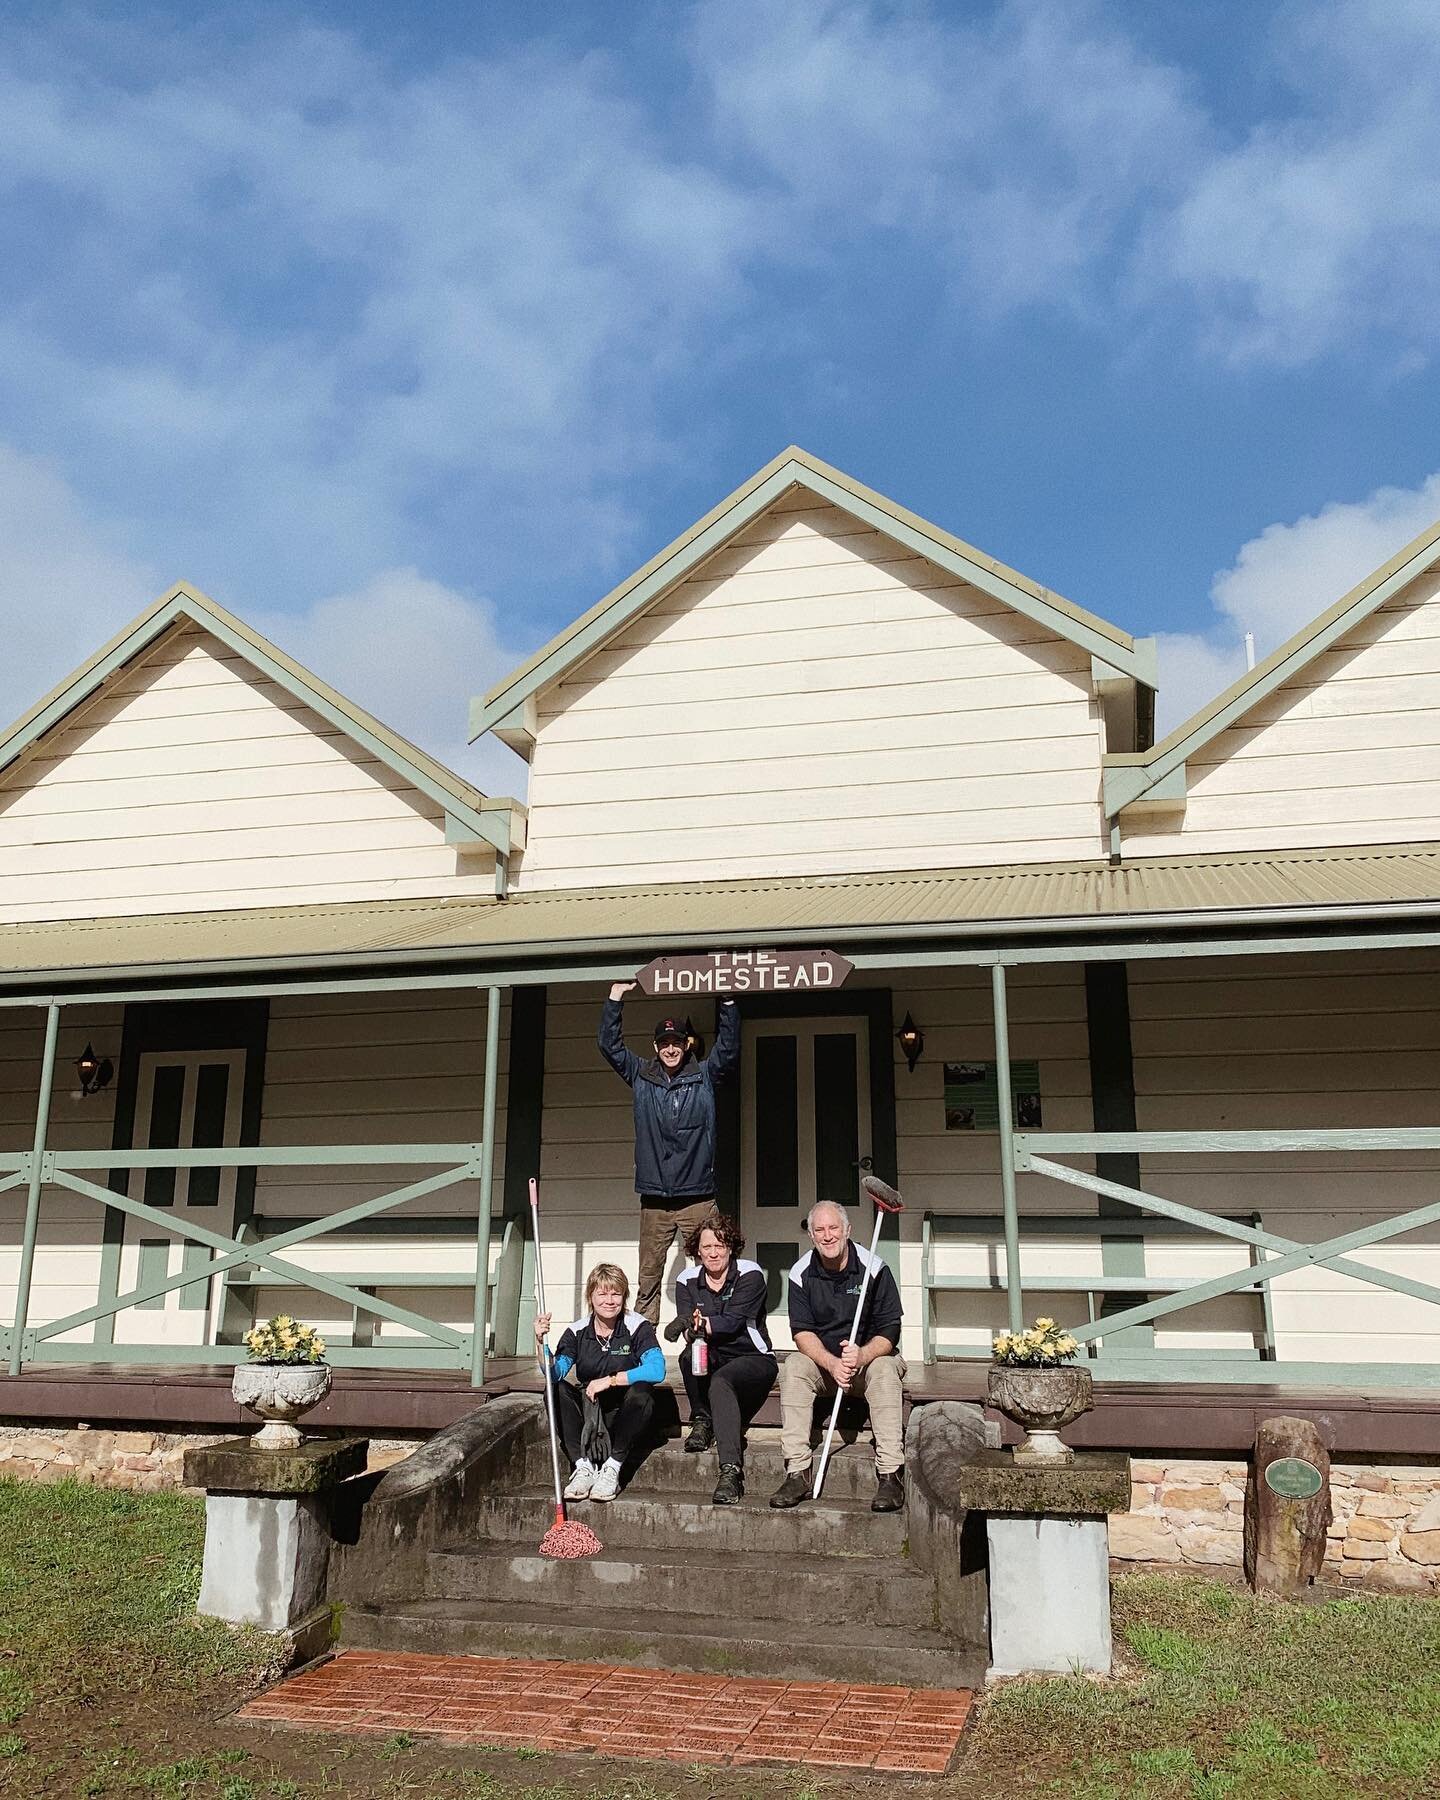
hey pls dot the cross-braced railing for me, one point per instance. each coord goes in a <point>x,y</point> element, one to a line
<point>1034,1152</point>
<point>41,1168</point>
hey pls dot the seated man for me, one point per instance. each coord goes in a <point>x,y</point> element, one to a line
<point>824,1287</point>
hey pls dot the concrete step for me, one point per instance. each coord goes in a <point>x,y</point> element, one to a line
<point>905,1656</point>
<point>828,1590</point>
<point>668,1469</point>
<point>637,1520</point>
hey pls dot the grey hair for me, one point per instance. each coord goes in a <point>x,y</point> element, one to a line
<point>832,1206</point>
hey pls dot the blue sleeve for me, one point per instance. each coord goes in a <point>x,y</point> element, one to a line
<point>624,1062</point>
<point>720,1064</point>
<point>563,1366</point>
<point>564,1354</point>
<point>651,1367</point>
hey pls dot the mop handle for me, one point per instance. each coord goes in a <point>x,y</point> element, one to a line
<point>854,1327</point>
<point>545,1361</point>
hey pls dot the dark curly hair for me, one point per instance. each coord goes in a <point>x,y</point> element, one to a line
<point>725,1228</point>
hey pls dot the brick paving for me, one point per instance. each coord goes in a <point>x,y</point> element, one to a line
<point>567,1706</point>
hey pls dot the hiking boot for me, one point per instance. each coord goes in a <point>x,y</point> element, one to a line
<point>730,1486</point>
<point>793,1489</point>
<point>889,1492</point>
<point>702,1434</point>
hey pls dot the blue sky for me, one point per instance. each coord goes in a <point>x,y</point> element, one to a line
<point>407,331</point>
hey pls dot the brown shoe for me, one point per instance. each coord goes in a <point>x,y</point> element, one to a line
<point>889,1492</point>
<point>793,1489</point>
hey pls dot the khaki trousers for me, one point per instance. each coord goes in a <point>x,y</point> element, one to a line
<point>661,1222</point>
<point>803,1382</point>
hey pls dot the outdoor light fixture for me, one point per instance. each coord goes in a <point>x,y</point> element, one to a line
<point>94,1071</point>
<point>912,1042</point>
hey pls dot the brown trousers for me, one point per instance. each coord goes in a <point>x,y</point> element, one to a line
<point>661,1222</point>
<point>879,1385</point>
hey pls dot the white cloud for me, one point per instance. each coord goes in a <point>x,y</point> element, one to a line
<point>411,651</point>
<point>1019,145</point>
<point>66,585</point>
<point>407,648</point>
<point>1323,222</point>
<point>1283,578</point>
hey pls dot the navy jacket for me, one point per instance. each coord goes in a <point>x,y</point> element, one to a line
<point>632,1348</point>
<point>674,1114</point>
<point>736,1312</point>
<point>824,1303</point>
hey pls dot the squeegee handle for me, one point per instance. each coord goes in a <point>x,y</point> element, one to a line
<point>546,1362</point>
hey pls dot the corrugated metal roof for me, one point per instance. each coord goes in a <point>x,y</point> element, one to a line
<point>736,912</point>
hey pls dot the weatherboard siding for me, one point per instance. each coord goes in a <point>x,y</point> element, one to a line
<point>816,699</point>
<point>1303,1043</point>
<point>377,1068</point>
<point>1346,753</point>
<point>67,1259</point>
<point>192,782</point>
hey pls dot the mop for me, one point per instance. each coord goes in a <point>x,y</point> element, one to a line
<point>566,1539</point>
<point>886,1201</point>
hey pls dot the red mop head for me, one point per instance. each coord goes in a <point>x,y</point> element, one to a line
<point>568,1539</point>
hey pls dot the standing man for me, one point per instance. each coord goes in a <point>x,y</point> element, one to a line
<point>824,1287</point>
<point>674,1130</point>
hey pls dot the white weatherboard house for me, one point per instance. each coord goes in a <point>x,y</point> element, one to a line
<point>1177,1005</point>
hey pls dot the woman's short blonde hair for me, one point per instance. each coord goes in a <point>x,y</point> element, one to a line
<point>607,1275</point>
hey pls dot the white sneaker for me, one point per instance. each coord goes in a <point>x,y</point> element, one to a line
<point>581,1484</point>
<point>606,1485</point>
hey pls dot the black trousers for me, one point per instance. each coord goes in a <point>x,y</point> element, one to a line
<point>627,1412</point>
<point>730,1397</point>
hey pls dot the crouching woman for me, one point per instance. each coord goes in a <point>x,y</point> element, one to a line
<point>720,1303</point>
<point>617,1360</point>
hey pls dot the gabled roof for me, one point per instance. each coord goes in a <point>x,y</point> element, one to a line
<point>469,814</point>
<point>508,708</point>
<point>1158,774</point>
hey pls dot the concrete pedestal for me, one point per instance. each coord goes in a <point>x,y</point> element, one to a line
<point>1049,1595</point>
<point>267,1527</point>
<point>1048,1543</point>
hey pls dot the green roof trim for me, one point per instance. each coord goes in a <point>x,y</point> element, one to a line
<point>470,814</point>
<point>1129,778</point>
<point>505,711</point>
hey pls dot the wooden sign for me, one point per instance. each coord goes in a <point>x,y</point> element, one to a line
<point>744,972</point>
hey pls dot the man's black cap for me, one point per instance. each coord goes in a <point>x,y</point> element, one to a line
<point>676,1029</point>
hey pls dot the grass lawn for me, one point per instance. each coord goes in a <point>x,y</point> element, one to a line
<point>110,1687</point>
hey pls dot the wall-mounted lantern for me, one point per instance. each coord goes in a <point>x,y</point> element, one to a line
<point>912,1042</point>
<point>95,1072</point>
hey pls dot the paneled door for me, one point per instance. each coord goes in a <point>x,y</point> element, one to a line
<point>184,1100</point>
<point>804,1136</point>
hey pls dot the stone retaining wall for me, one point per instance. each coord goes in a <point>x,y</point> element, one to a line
<point>1386,1530</point>
<point>142,1461</point>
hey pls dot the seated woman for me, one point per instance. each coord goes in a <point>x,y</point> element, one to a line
<point>721,1302</point>
<point>617,1359</point>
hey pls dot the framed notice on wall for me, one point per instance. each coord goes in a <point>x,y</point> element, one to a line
<point>972,1096</point>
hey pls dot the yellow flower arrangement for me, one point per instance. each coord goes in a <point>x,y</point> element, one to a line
<point>1043,1344</point>
<point>283,1340</point>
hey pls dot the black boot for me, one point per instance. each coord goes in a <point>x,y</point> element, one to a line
<point>793,1489</point>
<point>889,1492</point>
<point>702,1433</point>
<point>730,1486</point>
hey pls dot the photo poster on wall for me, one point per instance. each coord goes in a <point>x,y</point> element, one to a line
<point>972,1096</point>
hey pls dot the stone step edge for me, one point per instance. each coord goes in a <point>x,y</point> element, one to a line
<point>891,1564</point>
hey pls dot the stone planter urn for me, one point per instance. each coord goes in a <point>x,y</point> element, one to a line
<point>1041,1400</point>
<point>280,1393</point>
